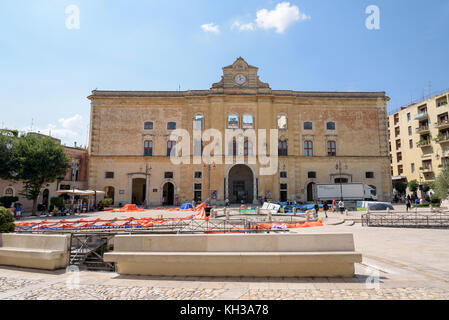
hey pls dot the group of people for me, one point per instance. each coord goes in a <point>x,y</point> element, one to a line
<point>340,204</point>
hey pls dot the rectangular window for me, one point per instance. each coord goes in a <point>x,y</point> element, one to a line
<point>409,131</point>
<point>311,175</point>
<point>171,126</point>
<point>168,175</point>
<point>409,117</point>
<point>109,175</point>
<point>308,125</point>
<point>308,148</point>
<point>284,186</point>
<point>369,175</point>
<point>171,145</point>
<point>198,174</point>
<point>148,148</point>
<point>413,167</point>
<point>410,143</point>
<point>331,148</point>
<point>283,174</point>
<point>197,186</point>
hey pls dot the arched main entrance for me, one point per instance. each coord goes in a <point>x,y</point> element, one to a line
<point>139,191</point>
<point>311,191</point>
<point>241,184</point>
<point>168,194</point>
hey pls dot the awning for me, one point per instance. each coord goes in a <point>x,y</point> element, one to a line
<point>78,192</point>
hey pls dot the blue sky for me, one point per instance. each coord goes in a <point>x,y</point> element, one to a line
<point>48,70</point>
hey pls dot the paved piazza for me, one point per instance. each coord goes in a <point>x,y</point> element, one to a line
<point>397,264</point>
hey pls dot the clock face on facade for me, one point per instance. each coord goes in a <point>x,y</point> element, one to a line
<point>240,79</point>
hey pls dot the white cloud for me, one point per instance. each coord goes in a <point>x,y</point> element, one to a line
<point>68,130</point>
<point>243,27</point>
<point>210,27</point>
<point>279,18</point>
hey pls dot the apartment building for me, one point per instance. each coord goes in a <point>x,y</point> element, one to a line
<point>419,139</point>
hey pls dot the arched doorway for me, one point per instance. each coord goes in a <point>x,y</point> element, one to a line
<point>241,184</point>
<point>45,196</point>
<point>311,191</point>
<point>139,191</point>
<point>109,193</point>
<point>168,194</point>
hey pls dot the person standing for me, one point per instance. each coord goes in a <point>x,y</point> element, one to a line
<point>334,205</point>
<point>341,206</point>
<point>317,209</point>
<point>18,211</point>
<point>325,208</point>
<point>408,204</point>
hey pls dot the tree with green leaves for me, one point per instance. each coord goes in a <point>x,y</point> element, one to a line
<point>400,187</point>
<point>41,160</point>
<point>8,159</point>
<point>441,184</point>
<point>413,186</point>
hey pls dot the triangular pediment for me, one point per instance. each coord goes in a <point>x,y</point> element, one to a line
<point>240,75</point>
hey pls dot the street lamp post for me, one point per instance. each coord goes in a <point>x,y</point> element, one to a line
<point>338,167</point>
<point>208,177</point>
<point>74,168</point>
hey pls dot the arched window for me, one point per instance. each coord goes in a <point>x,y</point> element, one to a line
<point>282,121</point>
<point>248,121</point>
<point>148,148</point>
<point>233,121</point>
<point>308,148</point>
<point>171,126</point>
<point>331,148</point>
<point>283,148</point>
<point>9,192</point>
<point>308,125</point>
<point>198,122</point>
<point>148,125</point>
<point>330,125</point>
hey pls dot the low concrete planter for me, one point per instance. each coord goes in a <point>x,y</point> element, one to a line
<point>260,255</point>
<point>48,252</point>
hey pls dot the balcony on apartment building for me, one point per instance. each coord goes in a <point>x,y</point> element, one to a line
<point>442,124</point>
<point>425,142</point>
<point>442,138</point>
<point>422,115</point>
<point>426,168</point>
<point>423,129</point>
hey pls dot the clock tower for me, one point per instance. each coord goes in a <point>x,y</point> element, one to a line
<point>240,75</point>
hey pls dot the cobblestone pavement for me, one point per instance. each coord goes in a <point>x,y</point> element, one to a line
<point>397,264</point>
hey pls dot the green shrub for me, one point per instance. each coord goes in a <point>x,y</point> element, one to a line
<point>8,201</point>
<point>435,199</point>
<point>57,202</point>
<point>107,202</point>
<point>6,221</point>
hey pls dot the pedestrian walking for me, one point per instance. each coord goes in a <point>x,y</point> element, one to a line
<point>408,204</point>
<point>317,209</point>
<point>341,206</point>
<point>19,211</point>
<point>325,208</point>
<point>334,205</point>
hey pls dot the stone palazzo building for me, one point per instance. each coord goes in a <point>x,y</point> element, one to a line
<point>323,137</point>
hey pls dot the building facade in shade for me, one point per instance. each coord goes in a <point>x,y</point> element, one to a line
<point>419,139</point>
<point>130,141</point>
<point>75,178</point>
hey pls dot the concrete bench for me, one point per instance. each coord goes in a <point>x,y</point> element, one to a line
<point>259,255</point>
<point>48,252</point>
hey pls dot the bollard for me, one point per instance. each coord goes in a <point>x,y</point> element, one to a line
<point>367,210</point>
<point>294,211</point>
<point>270,216</point>
<point>346,212</point>
<point>307,216</point>
<point>257,211</point>
<point>226,211</point>
<point>388,210</point>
